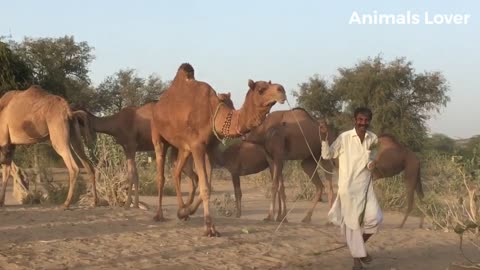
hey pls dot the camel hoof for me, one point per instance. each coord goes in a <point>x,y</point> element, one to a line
<point>282,220</point>
<point>158,218</point>
<point>2,204</point>
<point>212,233</point>
<point>268,219</point>
<point>307,219</point>
<point>183,213</point>
<point>329,223</point>
<point>238,215</point>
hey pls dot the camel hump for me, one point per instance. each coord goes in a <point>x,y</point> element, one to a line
<point>185,72</point>
<point>302,110</point>
<point>35,91</point>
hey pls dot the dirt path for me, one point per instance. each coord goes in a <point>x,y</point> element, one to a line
<point>112,238</point>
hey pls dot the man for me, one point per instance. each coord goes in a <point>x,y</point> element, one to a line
<point>356,208</point>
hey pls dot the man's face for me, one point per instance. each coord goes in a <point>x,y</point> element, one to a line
<point>362,122</point>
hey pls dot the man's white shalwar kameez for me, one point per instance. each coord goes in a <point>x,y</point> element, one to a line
<point>353,181</point>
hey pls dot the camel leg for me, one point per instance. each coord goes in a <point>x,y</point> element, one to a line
<point>73,171</point>
<point>204,183</point>
<point>282,201</point>
<point>61,143</point>
<point>208,168</point>
<point>410,189</point>
<point>238,194</point>
<point>78,149</point>
<point>188,170</point>
<point>132,176</point>
<point>160,153</point>
<point>309,166</point>
<point>182,157</point>
<point>5,176</point>
<point>276,170</point>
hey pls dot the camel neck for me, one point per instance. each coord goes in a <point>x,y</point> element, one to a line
<point>105,124</point>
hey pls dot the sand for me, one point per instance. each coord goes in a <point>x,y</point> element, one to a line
<point>47,237</point>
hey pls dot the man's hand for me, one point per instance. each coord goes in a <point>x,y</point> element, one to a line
<point>371,165</point>
<point>324,136</point>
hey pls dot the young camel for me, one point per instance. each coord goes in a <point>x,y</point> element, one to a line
<point>131,129</point>
<point>189,115</point>
<point>283,139</point>
<point>32,116</point>
<point>241,159</point>
<point>391,159</point>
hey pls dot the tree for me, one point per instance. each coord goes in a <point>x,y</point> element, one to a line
<point>318,98</point>
<point>14,73</point>
<point>440,143</point>
<point>60,65</point>
<point>401,99</point>
<point>126,88</point>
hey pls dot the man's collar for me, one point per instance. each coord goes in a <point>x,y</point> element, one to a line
<point>354,133</point>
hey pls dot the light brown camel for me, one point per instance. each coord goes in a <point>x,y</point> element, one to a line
<point>34,115</point>
<point>189,115</point>
<point>283,139</point>
<point>131,129</point>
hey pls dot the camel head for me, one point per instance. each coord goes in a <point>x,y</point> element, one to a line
<point>323,127</point>
<point>226,99</point>
<point>261,96</point>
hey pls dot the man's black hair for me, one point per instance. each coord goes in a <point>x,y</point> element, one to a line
<point>363,110</point>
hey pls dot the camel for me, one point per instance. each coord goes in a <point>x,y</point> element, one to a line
<point>283,139</point>
<point>34,115</point>
<point>189,116</point>
<point>131,129</point>
<point>392,158</point>
<point>241,159</point>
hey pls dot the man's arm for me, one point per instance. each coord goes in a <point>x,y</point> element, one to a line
<point>331,151</point>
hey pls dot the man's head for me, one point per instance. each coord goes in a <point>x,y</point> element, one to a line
<point>362,117</point>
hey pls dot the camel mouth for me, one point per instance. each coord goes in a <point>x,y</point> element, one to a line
<point>271,103</point>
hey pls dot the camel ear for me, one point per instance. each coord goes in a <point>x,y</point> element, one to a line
<point>327,121</point>
<point>269,82</point>
<point>228,95</point>
<point>251,84</point>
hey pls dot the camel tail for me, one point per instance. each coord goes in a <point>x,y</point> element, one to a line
<point>81,115</point>
<point>419,187</point>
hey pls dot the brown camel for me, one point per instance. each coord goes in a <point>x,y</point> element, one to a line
<point>393,158</point>
<point>131,129</point>
<point>283,139</point>
<point>189,115</point>
<point>32,116</point>
<point>241,159</point>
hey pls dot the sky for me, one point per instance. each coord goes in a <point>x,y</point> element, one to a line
<point>229,42</point>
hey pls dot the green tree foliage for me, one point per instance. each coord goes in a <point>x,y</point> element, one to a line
<point>470,149</point>
<point>401,99</point>
<point>14,73</point>
<point>318,98</point>
<point>440,143</point>
<point>60,65</point>
<point>126,88</point>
